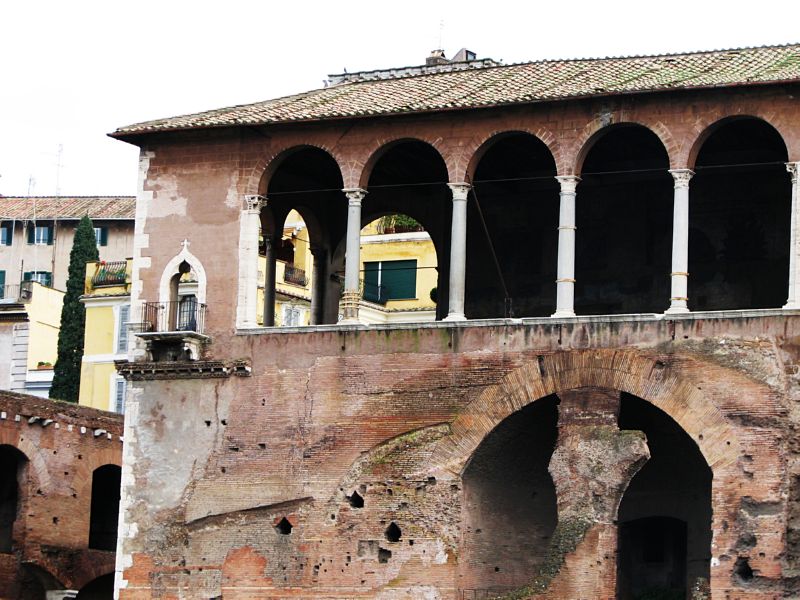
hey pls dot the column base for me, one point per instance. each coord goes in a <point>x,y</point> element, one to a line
<point>791,306</point>
<point>455,317</point>
<point>563,313</point>
<point>350,301</point>
<point>677,310</point>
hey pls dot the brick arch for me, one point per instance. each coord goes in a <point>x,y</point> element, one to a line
<point>706,125</point>
<point>626,371</point>
<point>597,128</point>
<point>465,162</point>
<point>82,473</point>
<point>380,146</point>
<point>258,179</point>
<point>37,470</point>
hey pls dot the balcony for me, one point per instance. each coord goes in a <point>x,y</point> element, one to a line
<point>110,273</point>
<point>186,315</point>
<point>15,293</point>
<point>295,276</point>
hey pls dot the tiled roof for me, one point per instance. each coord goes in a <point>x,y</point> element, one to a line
<point>511,84</point>
<point>67,207</point>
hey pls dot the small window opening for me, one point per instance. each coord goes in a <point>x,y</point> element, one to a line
<point>384,555</point>
<point>284,527</point>
<point>356,501</point>
<point>104,510</point>
<point>743,569</point>
<point>393,532</point>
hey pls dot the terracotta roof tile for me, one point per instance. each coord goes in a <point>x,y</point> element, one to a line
<point>508,84</point>
<point>67,207</point>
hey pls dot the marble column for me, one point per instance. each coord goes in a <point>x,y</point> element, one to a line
<point>458,252</point>
<point>317,284</point>
<point>249,225</point>
<point>680,242</point>
<point>352,267</point>
<point>269,280</point>
<point>793,301</point>
<point>565,277</point>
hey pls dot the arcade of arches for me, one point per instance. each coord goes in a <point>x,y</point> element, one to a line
<point>626,234</point>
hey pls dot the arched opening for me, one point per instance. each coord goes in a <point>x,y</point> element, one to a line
<point>104,513</point>
<point>399,270</point>
<point>12,478</point>
<point>509,505</point>
<point>740,201</point>
<point>665,515</point>
<point>624,224</point>
<point>307,210</point>
<point>409,181</point>
<point>514,221</point>
<point>101,588</point>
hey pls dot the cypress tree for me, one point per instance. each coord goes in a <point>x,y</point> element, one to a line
<point>67,370</point>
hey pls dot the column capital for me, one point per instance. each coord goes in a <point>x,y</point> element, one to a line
<point>794,170</point>
<point>569,183</point>
<point>354,195</point>
<point>681,177</point>
<point>254,202</point>
<point>460,190</point>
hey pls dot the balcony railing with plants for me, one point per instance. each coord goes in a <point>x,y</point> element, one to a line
<point>110,273</point>
<point>15,292</point>
<point>181,315</point>
<point>295,275</point>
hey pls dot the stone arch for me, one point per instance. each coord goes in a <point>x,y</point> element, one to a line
<point>164,291</point>
<point>600,126</point>
<point>265,167</point>
<point>37,465</point>
<point>705,127</point>
<point>82,473</point>
<point>383,145</point>
<point>623,370</point>
<point>466,162</point>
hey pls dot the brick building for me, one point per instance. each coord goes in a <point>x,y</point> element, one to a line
<point>60,468</point>
<point>607,404</point>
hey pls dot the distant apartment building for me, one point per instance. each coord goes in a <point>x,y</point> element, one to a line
<point>36,234</point>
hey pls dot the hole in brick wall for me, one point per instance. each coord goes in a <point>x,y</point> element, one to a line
<point>234,448</point>
<point>389,491</point>
<point>55,520</point>
<point>356,501</point>
<point>393,532</point>
<point>208,423</point>
<point>80,456</point>
<point>262,445</point>
<point>432,480</point>
<point>223,469</point>
<point>224,421</point>
<point>284,527</point>
<point>742,569</point>
<point>384,555</point>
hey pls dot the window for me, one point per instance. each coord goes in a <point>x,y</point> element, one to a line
<point>6,233</point>
<point>293,316</point>
<point>390,280</point>
<point>41,235</point>
<point>43,277</point>
<point>104,510</point>
<point>2,284</point>
<point>101,236</point>
<point>120,387</point>
<point>122,328</point>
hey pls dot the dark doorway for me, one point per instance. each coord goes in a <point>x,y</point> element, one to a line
<point>509,509</point>
<point>12,462</point>
<point>665,515</point>
<point>105,507</point>
<point>101,588</point>
<point>624,224</point>
<point>740,206</point>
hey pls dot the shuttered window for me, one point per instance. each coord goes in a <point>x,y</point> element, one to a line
<point>41,235</point>
<point>6,233</point>
<point>390,280</point>
<point>119,396</point>
<point>101,236</point>
<point>122,328</point>
<point>43,277</point>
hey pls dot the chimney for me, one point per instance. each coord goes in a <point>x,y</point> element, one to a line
<point>436,58</point>
<point>464,55</point>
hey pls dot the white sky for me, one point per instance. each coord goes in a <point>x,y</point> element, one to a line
<point>72,70</point>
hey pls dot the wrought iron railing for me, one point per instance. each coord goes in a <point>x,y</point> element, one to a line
<point>295,275</point>
<point>180,315</point>
<point>15,292</point>
<point>110,273</point>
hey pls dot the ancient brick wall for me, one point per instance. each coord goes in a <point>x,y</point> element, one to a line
<point>61,445</point>
<point>336,469</point>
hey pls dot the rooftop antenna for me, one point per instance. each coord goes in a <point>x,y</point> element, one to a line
<point>31,185</point>
<point>441,32</point>
<point>58,169</point>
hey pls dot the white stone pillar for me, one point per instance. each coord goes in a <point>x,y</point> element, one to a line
<point>269,280</point>
<point>249,224</point>
<point>458,252</point>
<point>565,276</point>
<point>352,267</point>
<point>679,296</point>
<point>793,301</point>
<point>317,284</point>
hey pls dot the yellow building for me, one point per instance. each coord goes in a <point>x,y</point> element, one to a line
<point>107,297</point>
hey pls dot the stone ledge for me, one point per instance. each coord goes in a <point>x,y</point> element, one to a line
<point>196,369</point>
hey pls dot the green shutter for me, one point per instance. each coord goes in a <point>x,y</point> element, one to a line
<point>26,276</point>
<point>31,232</point>
<point>48,279</point>
<point>2,284</point>
<point>399,279</point>
<point>371,281</point>
<point>8,229</point>
<point>50,229</point>
<point>104,236</point>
